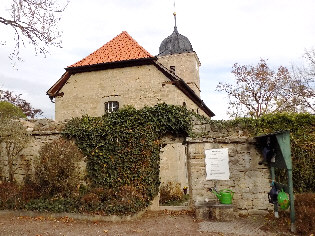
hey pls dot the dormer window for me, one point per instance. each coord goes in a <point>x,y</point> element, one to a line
<point>111,106</point>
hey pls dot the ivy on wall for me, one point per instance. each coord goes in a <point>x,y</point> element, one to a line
<point>302,137</point>
<point>122,154</point>
<point>123,148</point>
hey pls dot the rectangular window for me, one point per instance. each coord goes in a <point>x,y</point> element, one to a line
<point>111,106</point>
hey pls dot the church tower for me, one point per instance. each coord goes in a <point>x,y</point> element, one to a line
<point>177,55</point>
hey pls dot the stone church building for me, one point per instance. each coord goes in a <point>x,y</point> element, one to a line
<point>123,73</point>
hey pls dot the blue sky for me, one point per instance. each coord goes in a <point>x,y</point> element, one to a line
<point>222,32</point>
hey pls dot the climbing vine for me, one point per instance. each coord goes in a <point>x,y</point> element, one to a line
<point>122,150</point>
<point>122,155</point>
<point>302,137</point>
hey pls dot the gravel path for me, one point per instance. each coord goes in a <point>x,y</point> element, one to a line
<point>151,223</point>
<point>239,227</point>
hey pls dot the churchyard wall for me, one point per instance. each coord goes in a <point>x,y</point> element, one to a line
<point>182,161</point>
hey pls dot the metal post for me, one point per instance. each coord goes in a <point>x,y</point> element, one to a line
<point>273,180</point>
<point>291,197</point>
<point>272,173</point>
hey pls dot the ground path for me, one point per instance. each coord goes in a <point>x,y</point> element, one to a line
<point>151,223</point>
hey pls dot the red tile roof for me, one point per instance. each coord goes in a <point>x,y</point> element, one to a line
<point>121,48</point>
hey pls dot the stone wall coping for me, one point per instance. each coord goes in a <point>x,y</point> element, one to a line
<point>48,132</point>
<point>171,139</point>
<point>231,139</point>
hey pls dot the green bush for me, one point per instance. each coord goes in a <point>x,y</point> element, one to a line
<point>8,110</point>
<point>57,171</point>
<point>53,205</point>
<point>302,137</point>
<point>122,150</point>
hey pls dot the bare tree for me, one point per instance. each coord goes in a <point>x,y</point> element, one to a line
<point>259,90</point>
<point>310,56</point>
<point>34,22</point>
<point>305,75</point>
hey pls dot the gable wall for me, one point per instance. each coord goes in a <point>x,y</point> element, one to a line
<point>86,93</point>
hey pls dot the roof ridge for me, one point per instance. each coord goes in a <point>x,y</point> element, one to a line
<point>121,48</point>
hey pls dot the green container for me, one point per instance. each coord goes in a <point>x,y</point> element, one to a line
<point>225,196</point>
<point>283,200</point>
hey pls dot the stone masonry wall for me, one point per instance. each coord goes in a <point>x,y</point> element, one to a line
<point>173,162</point>
<point>173,166</point>
<point>181,162</point>
<point>248,180</point>
<point>42,131</point>
<point>186,67</point>
<point>139,86</point>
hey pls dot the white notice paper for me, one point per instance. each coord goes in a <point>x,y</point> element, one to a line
<point>217,164</point>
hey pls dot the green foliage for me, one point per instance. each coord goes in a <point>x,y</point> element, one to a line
<point>122,150</point>
<point>9,111</point>
<point>53,205</point>
<point>23,105</point>
<point>302,136</point>
<point>57,171</point>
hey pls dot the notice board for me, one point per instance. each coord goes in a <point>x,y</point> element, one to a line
<point>217,164</point>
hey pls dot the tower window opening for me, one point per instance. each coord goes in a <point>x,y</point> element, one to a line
<point>172,69</point>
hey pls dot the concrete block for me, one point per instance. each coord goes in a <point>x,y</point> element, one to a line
<point>202,213</point>
<point>221,213</point>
